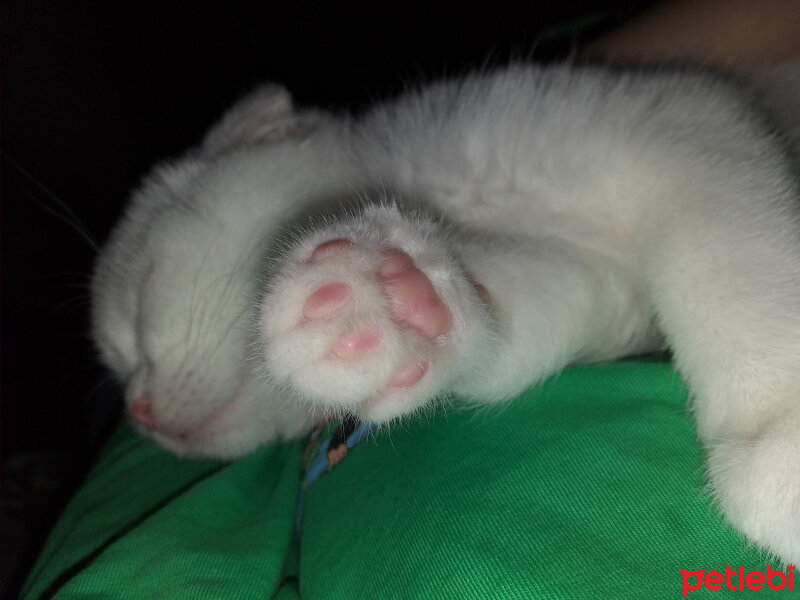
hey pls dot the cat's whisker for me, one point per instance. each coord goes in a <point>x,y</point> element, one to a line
<point>72,304</point>
<point>65,215</point>
<point>192,326</point>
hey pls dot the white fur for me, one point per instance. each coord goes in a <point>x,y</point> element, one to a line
<point>605,212</point>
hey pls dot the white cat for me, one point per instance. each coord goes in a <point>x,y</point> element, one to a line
<point>504,226</point>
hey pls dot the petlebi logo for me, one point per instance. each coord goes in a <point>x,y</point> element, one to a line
<point>738,579</point>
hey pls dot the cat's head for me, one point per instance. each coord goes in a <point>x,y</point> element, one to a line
<point>175,288</point>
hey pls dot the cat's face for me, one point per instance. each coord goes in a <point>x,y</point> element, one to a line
<point>175,290</point>
<point>175,302</point>
<point>174,295</point>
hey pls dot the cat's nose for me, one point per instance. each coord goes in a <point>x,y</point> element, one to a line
<point>142,412</point>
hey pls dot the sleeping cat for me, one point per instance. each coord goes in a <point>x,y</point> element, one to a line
<point>469,238</point>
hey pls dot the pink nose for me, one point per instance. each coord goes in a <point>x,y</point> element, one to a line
<point>142,412</point>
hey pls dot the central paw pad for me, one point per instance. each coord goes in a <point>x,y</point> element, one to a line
<point>414,302</point>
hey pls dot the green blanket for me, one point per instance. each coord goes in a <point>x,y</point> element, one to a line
<point>588,486</point>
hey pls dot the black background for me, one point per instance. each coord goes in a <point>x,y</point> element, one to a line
<point>95,92</point>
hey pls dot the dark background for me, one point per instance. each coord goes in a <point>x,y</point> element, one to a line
<point>95,92</point>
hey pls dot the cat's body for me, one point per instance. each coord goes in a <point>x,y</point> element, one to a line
<point>559,215</point>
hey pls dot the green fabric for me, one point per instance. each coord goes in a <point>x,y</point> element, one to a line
<point>589,486</point>
<point>146,524</point>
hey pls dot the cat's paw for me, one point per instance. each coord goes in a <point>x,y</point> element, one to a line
<point>372,317</point>
<point>757,483</point>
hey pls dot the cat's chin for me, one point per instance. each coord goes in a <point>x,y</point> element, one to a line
<point>203,432</point>
<point>251,418</point>
<point>218,437</point>
<point>176,444</point>
<point>202,446</point>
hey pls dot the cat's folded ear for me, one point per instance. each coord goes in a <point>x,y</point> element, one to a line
<point>265,114</point>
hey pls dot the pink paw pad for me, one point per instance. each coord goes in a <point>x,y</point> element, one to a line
<point>330,248</point>
<point>409,375</point>
<point>357,343</point>
<point>414,300</point>
<point>326,300</point>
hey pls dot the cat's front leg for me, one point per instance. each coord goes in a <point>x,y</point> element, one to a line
<point>729,303</point>
<point>756,479</point>
<point>378,314</point>
<point>372,315</point>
